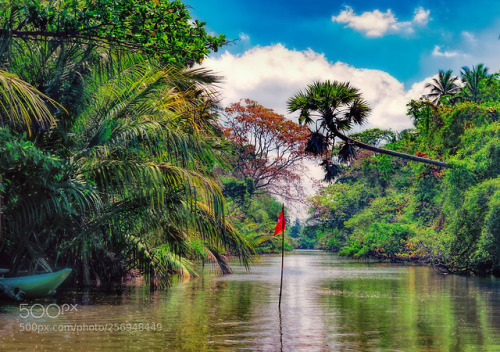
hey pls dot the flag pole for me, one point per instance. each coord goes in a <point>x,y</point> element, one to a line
<point>282,263</point>
<point>282,258</point>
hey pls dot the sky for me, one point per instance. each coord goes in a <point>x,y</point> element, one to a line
<point>389,49</point>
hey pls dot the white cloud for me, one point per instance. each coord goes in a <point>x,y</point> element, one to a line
<point>437,52</point>
<point>467,49</point>
<point>377,23</point>
<point>469,37</point>
<point>272,74</point>
<point>421,16</point>
<point>244,37</point>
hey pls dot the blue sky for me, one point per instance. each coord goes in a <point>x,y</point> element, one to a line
<point>405,51</point>
<point>388,49</point>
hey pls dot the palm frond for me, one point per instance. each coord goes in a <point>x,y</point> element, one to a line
<point>317,144</point>
<point>347,153</point>
<point>22,104</point>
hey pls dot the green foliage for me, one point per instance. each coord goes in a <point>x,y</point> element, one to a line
<point>423,114</point>
<point>160,29</point>
<point>474,228</point>
<point>256,219</point>
<point>308,238</point>
<point>380,239</point>
<point>295,229</point>
<point>36,188</point>
<point>382,209</point>
<point>340,201</point>
<point>447,216</point>
<point>490,88</point>
<point>374,136</point>
<point>123,178</point>
<point>466,115</point>
<point>481,150</point>
<point>238,190</point>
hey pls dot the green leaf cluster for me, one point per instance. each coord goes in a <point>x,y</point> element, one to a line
<point>254,215</point>
<point>160,29</point>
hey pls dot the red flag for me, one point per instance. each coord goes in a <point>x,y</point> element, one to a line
<point>281,224</point>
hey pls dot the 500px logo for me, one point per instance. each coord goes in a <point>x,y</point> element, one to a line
<point>52,310</point>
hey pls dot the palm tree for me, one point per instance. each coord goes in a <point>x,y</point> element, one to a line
<point>472,79</point>
<point>145,142</point>
<point>338,106</point>
<point>124,178</point>
<point>443,85</point>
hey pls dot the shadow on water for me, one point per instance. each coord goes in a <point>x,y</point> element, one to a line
<point>329,304</point>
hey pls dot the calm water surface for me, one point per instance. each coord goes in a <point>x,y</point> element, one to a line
<point>329,304</point>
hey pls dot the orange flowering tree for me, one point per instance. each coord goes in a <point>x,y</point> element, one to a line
<point>269,148</point>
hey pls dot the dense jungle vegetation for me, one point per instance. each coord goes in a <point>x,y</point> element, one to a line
<point>390,208</point>
<point>115,155</point>
<point>109,143</point>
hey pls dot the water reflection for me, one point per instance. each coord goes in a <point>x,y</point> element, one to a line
<point>329,304</point>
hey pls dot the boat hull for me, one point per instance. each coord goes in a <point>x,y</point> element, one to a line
<point>37,285</point>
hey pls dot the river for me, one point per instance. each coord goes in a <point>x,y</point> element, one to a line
<point>329,303</point>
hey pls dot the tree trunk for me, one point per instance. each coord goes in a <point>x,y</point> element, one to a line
<point>362,145</point>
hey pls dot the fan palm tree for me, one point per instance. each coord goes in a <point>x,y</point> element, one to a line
<point>334,107</point>
<point>443,85</point>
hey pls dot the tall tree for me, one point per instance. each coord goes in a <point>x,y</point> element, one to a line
<point>473,80</point>
<point>334,107</point>
<point>269,147</point>
<point>442,86</point>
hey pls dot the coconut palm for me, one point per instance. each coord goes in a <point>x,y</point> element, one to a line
<point>335,107</point>
<point>442,86</point>
<point>472,80</point>
<point>131,165</point>
<point>120,174</point>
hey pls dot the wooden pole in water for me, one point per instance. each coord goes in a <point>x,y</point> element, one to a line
<point>282,264</point>
<point>280,228</point>
<point>282,253</point>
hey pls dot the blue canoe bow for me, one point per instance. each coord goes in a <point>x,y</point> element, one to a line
<point>36,285</point>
